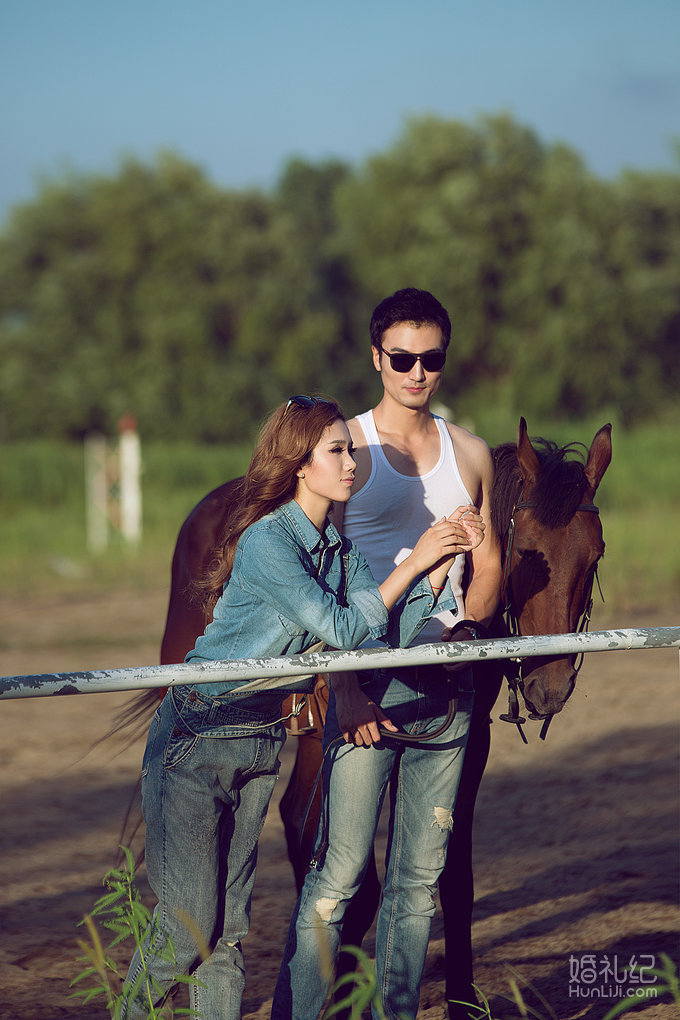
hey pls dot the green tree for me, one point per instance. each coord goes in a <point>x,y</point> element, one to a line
<point>648,243</point>
<point>155,293</point>
<point>302,323</point>
<point>596,297</point>
<point>126,295</point>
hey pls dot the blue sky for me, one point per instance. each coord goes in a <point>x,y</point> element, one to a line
<point>239,88</point>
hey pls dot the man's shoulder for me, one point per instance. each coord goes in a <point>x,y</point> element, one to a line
<point>353,423</point>
<point>356,431</point>
<point>464,439</point>
<point>473,457</point>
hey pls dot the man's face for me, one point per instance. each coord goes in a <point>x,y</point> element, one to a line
<point>416,387</point>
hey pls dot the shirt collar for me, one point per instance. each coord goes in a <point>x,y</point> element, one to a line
<point>311,538</point>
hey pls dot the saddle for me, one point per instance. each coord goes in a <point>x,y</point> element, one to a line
<point>308,711</point>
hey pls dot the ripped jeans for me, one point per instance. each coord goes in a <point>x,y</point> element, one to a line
<point>423,782</point>
<point>208,773</point>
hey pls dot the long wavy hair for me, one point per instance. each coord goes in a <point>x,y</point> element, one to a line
<point>285,444</point>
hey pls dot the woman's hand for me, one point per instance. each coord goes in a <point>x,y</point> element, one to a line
<point>358,718</point>
<point>443,540</point>
<point>471,520</point>
<point>435,552</point>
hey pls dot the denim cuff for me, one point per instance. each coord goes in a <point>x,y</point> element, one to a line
<point>445,602</point>
<point>371,606</point>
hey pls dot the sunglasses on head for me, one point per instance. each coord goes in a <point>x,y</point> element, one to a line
<point>432,361</point>
<point>303,401</point>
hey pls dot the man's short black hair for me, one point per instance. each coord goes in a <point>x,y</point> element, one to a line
<point>418,307</point>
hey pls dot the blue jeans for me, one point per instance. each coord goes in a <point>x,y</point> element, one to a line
<point>208,773</point>
<point>423,781</point>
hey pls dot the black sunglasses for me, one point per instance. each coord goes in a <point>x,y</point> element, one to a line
<point>303,401</point>
<point>432,361</point>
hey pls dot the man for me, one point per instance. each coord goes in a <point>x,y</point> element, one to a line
<point>412,469</point>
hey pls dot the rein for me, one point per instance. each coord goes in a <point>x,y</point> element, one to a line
<point>399,736</point>
<point>513,669</point>
<point>476,631</point>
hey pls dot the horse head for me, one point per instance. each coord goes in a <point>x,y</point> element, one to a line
<point>552,547</point>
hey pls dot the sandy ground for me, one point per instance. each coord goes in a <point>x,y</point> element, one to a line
<point>576,839</point>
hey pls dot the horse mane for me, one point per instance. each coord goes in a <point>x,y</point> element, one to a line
<point>557,493</point>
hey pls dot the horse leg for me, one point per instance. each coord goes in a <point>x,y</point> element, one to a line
<point>456,884</point>
<point>300,830</point>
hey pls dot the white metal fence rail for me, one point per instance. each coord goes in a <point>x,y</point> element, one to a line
<point>285,672</point>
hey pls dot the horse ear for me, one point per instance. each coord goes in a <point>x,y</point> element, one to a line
<point>599,457</point>
<point>526,456</point>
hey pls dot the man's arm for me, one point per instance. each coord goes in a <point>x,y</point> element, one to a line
<point>476,467</point>
<point>483,592</point>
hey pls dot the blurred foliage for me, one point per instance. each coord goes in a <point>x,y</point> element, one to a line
<point>197,309</point>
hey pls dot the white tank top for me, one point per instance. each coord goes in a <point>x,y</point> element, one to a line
<point>389,514</point>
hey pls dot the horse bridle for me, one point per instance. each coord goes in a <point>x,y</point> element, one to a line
<point>513,667</point>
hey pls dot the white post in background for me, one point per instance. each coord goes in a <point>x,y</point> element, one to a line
<point>130,463</point>
<point>96,492</point>
<point>112,487</point>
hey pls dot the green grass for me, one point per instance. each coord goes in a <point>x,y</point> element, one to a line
<point>639,500</point>
<point>122,915</point>
<point>42,510</point>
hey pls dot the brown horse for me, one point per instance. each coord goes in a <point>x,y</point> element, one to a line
<point>551,541</point>
<point>551,537</point>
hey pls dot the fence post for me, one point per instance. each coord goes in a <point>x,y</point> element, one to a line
<point>112,486</point>
<point>130,461</point>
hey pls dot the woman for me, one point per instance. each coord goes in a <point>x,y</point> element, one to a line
<point>282,579</point>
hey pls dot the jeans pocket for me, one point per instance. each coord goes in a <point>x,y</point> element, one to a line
<point>182,736</point>
<point>178,748</point>
<point>151,741</point>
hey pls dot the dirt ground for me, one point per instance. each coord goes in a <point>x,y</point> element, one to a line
<point>576,840</point>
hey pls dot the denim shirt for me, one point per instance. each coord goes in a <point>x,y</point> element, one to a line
<point>291,586</point>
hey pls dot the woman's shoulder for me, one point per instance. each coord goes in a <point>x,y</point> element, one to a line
<point>273,529</point>
<point>270,524</point>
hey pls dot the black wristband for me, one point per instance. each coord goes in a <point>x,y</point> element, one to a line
<point>477,631</point>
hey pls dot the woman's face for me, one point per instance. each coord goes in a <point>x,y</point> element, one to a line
<point>329,473</point>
